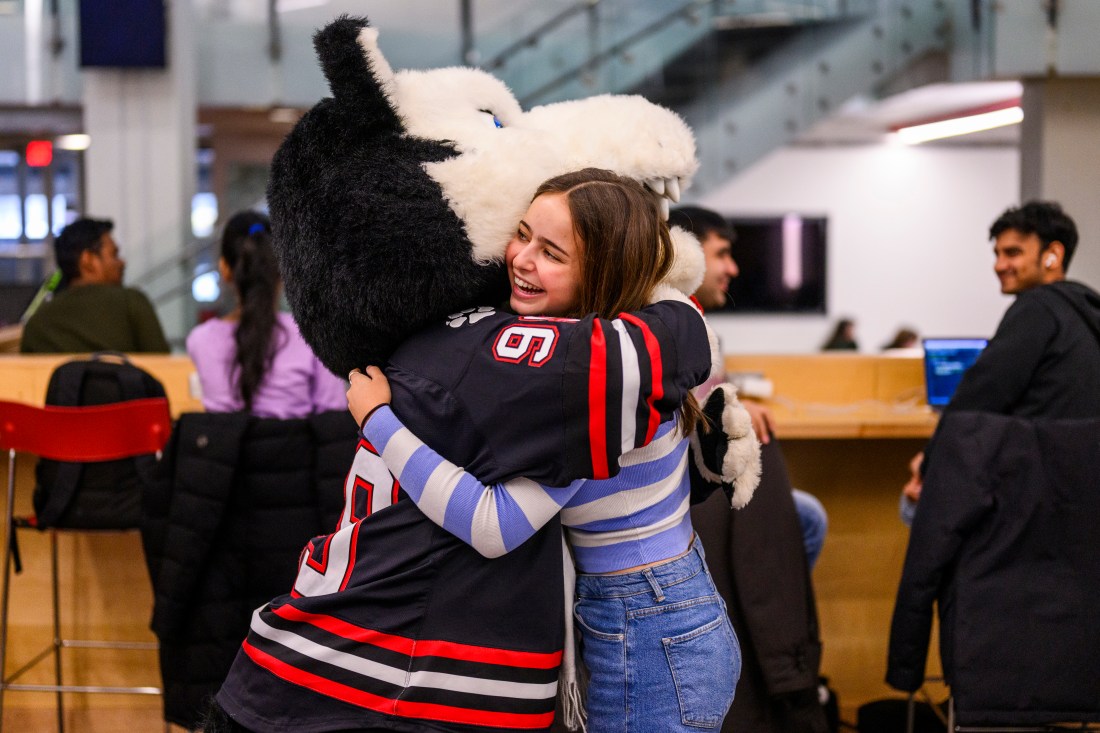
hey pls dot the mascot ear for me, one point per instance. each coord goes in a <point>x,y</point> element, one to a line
<point>369,250</point>
<point>358,75</point>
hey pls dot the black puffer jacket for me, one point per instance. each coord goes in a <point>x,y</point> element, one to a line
<point>1006,541</point>
<point>236,500</point>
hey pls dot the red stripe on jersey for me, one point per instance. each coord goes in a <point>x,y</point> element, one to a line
<point>427,648</point>
<point>402,708</point>
<point>449,714</point>
<point>325,686</point>
<point>597,401</point>
<point>658,391</point>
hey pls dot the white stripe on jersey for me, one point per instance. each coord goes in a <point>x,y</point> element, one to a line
<point>399,677</point>
<point>580,538</point>
<point>309,648</point>
<point>479,686</point>
<point>628,501</point>
<point>632,383</point>
<point>659,447</point>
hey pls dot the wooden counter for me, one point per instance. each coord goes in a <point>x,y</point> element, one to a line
<point>843,395</point>
<point>23,378</point>
<point>848,425</point>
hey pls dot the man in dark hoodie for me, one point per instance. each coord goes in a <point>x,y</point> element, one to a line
<point>1002,543</point>
<point>1044,360</point>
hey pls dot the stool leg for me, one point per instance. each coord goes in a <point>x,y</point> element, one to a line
<point>56,631</point>
<point>9,530</point>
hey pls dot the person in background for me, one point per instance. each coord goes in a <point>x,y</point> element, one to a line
<point>761,556</point>
<point>905,338</point>
<point>1044,359</point>
<point>716,236</point>
<point>91,309</point>
<point>843,337</point>
<point>254,359</point>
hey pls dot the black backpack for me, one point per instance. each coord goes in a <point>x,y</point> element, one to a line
<point>105,494</point>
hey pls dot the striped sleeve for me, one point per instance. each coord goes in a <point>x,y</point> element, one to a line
<point>493,519</point>
<point>626,376</point>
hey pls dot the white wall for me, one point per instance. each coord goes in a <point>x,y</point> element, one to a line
<point>908,239</point>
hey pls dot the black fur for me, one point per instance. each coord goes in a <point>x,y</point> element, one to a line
<point>369,250</point>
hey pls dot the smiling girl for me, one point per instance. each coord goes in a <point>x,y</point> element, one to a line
<point>656,639</point>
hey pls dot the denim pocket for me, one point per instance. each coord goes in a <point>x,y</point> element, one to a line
<point>595,618</point>
<point>696,659</point>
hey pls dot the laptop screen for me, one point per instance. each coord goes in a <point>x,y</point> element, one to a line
<point>945,360</point>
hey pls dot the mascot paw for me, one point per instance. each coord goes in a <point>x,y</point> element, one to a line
<point>728,455</point>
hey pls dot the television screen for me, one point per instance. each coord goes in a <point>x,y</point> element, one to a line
<point>782,264</point>
<point>122,33</point>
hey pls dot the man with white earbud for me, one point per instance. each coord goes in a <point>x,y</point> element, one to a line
<point>1002,541</point>
<point>1044,360</point>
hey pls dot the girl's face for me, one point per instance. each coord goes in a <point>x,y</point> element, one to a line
<point>543,258</point>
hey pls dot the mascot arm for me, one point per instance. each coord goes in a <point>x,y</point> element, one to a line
<point>726,457</point>
<point>493,519</point>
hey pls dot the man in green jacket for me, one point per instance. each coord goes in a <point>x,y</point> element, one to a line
<point>91,310</point>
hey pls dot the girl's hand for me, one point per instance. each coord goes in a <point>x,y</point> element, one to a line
<point>367,393</point>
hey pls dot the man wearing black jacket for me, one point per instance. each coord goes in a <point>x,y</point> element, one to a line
<point>1002,541</point>
<point>1043,361</point>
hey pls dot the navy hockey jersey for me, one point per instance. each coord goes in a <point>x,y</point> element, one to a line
<point>395,624</point>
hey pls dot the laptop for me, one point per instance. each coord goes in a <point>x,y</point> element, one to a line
<point>945,361</point>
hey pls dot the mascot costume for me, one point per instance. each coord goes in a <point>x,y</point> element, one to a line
<point>392,203</point>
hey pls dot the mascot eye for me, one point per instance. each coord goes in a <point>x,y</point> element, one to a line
<point>490,118</point>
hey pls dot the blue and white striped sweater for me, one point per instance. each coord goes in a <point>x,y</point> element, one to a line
<point>637,517</point>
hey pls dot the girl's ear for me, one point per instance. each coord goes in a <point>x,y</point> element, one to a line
<point>224,270</point>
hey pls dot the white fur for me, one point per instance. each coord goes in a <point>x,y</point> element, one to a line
<point>741,465</point>
<point>368,41</point>
<point>689,265</point>
<point>490,183</point>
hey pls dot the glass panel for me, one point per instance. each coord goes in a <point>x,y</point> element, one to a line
<point>204,214</point>
<point>37,223</point>
<point>11,220</point>
<point>11,223</point>
<point>66,184</point>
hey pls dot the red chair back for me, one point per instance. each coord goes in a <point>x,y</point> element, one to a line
<point>92,433</point>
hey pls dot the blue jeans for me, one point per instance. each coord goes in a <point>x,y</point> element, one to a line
<point>660,651</point>
<point>814,522</point>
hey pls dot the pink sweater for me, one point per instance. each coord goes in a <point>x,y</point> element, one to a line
<point>296,385</point>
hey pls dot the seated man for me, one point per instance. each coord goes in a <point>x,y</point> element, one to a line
<point>716,236</point>
<point>91,310</point>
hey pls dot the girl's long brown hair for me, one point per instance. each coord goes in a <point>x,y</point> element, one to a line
<point>625,249</point>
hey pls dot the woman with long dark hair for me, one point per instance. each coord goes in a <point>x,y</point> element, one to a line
<point>253,359</point>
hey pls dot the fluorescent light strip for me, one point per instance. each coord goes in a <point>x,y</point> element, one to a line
<point>792,251</point>
<point>961,126</point>
<point>72,142</point>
